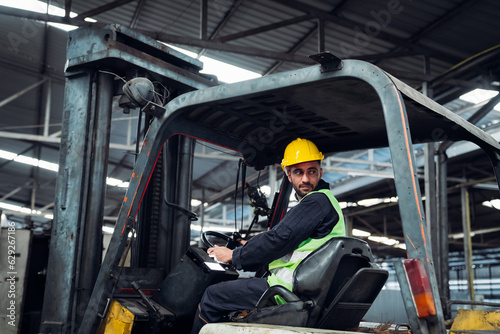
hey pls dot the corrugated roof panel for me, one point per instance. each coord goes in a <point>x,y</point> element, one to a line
<point>177,18</point>
<point>19,115</point>
<point>262,16</point>
<point>122,14</point>
<point>474,27</point>
<point>274,9</point>
<point>255,64</point>
<point>324,5</point>
<point>415,17</point>
<point>57,40</point>
<point>21,43</point>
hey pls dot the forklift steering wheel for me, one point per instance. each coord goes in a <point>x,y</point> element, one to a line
<point>231,242</point>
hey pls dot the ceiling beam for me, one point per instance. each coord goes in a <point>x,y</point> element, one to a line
<point>227,16</point>
<point>27,14</point>
<point>222,23</point>
<point>137,12</point>
<point>248,51</point>
<point>16,190</point>
<point>67,8</point>
<point>442,20</point>
<point>104,8</point>
<point>432,27</point>
<point>396,40</point>
<point>261,29</point>
<point>21,93</point>
<point>315,30</point>
<point>203,19</point>
<point>337,19</point>
<point>229,191</point>
<point>293,49</point>
<point>368,225</point>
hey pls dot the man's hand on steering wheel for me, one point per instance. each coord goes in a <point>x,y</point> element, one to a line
<point>221,254</point>
<point>231,241</point>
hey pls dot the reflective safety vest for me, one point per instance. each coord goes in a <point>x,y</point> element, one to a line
<point>283,268</point>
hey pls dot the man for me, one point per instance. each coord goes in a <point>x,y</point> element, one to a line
<point>316,219</point>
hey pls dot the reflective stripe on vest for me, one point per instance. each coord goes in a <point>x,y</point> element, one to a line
<point>282,270</point>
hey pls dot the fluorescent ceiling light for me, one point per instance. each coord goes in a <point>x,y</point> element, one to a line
<point>7,155</point>
<point>18,208</point>
<point>117,183</point>
<point>23,159</point>
<point>360,233</point>
<point>107,229</point>
<point>41,7</point>
<point>370,201</point>
<point>344,205</point>
<point>478,95</point>
<point>374,201</point>
<point>384,240</point>
<point>494,203</point>
<point>225,72</point>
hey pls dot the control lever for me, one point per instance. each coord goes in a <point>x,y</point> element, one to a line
<point>153,310</point>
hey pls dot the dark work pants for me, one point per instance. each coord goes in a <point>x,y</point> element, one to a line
<point>222,298</point>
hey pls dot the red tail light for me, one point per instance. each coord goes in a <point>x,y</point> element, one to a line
<point>420,287</point>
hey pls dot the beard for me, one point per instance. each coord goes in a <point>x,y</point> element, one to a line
<point>303,189</point>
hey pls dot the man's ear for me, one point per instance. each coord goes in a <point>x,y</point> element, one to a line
<point>321,173</point>
<point>288,173</point>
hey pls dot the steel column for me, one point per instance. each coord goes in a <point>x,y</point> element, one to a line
<point>430,203</point>
<point>442,222</point>
<point>431,192</point>
<point>464,194</point>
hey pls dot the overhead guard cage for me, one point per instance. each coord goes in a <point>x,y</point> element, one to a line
<point>355,105</point>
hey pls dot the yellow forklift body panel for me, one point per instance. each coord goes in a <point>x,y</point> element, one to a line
<point>476,320</point>
<point>118,320</point>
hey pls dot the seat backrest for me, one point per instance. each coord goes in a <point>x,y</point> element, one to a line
<point>323,273</point>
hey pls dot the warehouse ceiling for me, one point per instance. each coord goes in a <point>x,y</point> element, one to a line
<point>445,48</point>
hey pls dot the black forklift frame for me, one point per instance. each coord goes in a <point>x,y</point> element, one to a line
<point>345,106</point>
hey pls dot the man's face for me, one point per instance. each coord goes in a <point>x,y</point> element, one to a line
<point>304,177</point>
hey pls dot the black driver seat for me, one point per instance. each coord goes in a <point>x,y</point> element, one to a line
<point>333,288</point>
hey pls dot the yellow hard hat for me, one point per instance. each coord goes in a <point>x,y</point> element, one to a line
<point>300,150</point>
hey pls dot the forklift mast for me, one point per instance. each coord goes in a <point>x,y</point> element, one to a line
<point>95,60</point>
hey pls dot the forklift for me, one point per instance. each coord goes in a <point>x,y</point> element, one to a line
<point>340,105</point>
